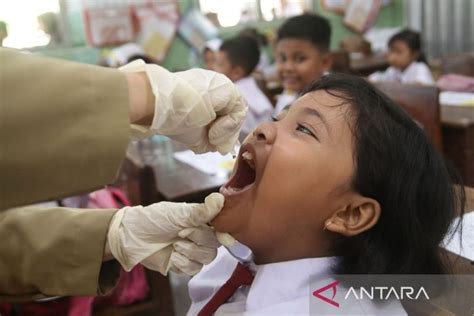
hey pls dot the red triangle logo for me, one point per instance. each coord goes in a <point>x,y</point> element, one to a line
<point>332,286</point>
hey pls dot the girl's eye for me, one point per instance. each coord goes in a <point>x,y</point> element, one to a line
<point>274,119</point>
<point>305,130</point>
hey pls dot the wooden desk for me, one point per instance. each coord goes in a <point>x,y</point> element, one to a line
<point>450,302</point>
<point>458,139</point>
<point>167,180</point>
<point>367,65</point>
<point>180,182</point>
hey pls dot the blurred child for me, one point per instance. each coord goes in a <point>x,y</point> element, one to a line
<point>331,186</point>
<point>262,42</point>
<point>407,61</point>
<point>209,53</point>
<point>301,54</point>
<point>237,59</point>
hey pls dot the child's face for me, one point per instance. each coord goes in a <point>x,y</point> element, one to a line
<point>299,62</point>
<point>224,66</point>
<point>209,59</point>
<point>400,55</point>
<point>303,168</point>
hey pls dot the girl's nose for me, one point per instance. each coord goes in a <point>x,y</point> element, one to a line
<point>266,132</point>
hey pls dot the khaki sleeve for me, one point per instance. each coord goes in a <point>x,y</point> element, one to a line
<point>63,127</point>
<point>55,251</point>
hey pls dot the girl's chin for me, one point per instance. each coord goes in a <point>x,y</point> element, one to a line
<point>229,220</point>
<point>224,221</point>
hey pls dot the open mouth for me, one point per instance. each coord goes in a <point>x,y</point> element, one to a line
<point>245,174</point>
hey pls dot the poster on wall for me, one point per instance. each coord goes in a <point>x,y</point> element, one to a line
<point>196,29</point>
<point>337,6</point>
<point>108,26</point>
<point>361,14</point>
<point>340,6</point>
<point>158,23</point>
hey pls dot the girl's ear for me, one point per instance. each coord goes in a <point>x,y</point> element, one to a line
<point>355,218</point>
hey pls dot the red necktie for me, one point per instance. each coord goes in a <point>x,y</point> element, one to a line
<point>240,276</point>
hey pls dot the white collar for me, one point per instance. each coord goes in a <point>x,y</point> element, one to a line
<point>245,81</point>
<point>283,281</point>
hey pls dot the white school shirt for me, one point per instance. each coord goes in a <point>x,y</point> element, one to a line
<point>284,99</point>
<point>287,97</point>
<point>260,108</point>
<point>416,72</point>
<point>282,288</point>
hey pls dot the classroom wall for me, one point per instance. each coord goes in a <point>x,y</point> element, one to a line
<point>181,56</point>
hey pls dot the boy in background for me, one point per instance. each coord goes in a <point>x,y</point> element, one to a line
<point>301,54</point>
<point>237,58</point>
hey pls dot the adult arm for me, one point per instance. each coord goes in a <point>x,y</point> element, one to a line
<point>54,251</point>
<point>64,127</point>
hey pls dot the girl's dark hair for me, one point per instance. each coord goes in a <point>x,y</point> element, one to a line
<point>412,39</point>
<point>397,165</point>
<point>310,27</point>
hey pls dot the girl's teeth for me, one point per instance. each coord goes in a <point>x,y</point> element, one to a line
<point>247,155</point>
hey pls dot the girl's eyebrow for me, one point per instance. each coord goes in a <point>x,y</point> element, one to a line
<point>315,113</point>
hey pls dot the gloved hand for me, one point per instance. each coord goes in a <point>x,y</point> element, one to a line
<point>166,236</point>
<point>200,108</point>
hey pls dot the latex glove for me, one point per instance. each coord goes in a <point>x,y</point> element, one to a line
<point>166,236</point>
<point>200,108</point>
<point>226,239</point>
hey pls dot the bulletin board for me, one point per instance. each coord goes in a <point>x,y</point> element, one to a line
<point>108,26</point>
<point>337,6</point>
<point>196,29</point>
<point>158,23</point>
<point>359,15</point>
<point>152,24</point>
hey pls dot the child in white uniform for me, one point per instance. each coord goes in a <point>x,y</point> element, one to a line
<point>331,186</point>
<point>237,58</point>
<point>407,61</point>
<point>301,54</point>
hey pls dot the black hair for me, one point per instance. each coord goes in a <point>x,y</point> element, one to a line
<point>253,32</point>
<point>242,51</point>
<point>147,59</point>
<point>413,41</point>
<point>311,27</point>
<point>398,166</point>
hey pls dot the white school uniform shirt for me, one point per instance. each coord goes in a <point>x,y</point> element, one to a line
<point>284,99</point>
<point>287,97</point>
<point>260,108</point>
<point>416,72</point>
<point>282,288</point>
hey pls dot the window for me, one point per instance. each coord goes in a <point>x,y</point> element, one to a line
<point>229,13</point>
<point>29,21</point>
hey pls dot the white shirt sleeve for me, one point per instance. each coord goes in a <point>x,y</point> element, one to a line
<point>423,74</point>
<point>391,74</point>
